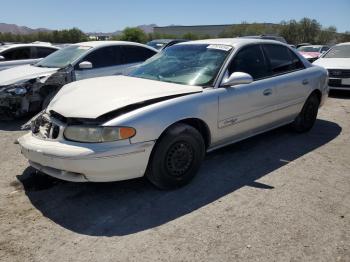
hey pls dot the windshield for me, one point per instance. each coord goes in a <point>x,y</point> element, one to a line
<point>309,49</point>
<point>63,57</point>
<point>185,64</point>
<point>340,51</point>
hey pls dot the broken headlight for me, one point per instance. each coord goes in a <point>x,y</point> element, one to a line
<point>101,134</point>
<point>18,89</point>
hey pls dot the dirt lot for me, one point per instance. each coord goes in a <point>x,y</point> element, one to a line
<point>280,196</point>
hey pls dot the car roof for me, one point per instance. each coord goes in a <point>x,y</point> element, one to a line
<point>8,46</point>
<point>234,42</point>
<point>95,44</point>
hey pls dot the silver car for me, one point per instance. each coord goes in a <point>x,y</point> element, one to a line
<point>160,120</point>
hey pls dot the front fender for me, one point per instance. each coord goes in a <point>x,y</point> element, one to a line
<point>151,121</point>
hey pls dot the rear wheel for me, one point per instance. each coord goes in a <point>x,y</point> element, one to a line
<point>177,157</point>
<point>308,115</point>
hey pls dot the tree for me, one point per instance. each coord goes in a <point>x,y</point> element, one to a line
<point>133,34</point>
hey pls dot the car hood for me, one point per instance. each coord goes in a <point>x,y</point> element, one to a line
<point>333,63</point>
<point>22,73</point>
<point>94,97</point>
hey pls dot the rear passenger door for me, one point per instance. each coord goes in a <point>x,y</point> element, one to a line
<point>246,109</point>
<point>290,80</point>
<point>105,61</point>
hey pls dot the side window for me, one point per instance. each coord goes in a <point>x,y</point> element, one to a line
<point>104,57</point>
<point>42,52</point>
<point>19,53</point>
<point>134,54</point>
<point>281,59</point>
<point>250,60</point>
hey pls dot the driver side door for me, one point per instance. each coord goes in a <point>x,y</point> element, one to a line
<point>245,109</point>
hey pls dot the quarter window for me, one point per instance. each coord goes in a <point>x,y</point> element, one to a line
<point>104,57</point>
<point>19,53</point>
<point>282,60</point>
<point>135,54</point>
<point>250,60</point>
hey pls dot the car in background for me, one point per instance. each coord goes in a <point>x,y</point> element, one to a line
<point>22,54</point>
<point>268,37</point>
<point>337,62</point>
<point>312,52</point>
<point>159,121</point>
<point>29,88</point>
<point>161,44</point>
<point>302,44</point>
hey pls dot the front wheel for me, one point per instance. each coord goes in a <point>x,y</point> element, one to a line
<point>308,115</point>
<point>176,158</point>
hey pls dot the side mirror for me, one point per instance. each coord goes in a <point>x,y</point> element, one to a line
<point>237,78</point>
<point>85,65</point>
<point>2,58</point>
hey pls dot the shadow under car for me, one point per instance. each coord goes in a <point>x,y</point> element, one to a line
<point>127,207</point>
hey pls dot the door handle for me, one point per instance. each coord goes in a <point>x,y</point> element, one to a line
<point>305,82</point>
<point>267,92</point>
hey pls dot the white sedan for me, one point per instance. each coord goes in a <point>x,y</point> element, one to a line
<point>337,62</point>
<point>160,120</point>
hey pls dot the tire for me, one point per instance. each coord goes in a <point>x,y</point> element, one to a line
<point>308,115</point>
<point>176,158</point>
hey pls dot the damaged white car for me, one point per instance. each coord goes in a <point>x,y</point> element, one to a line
<point>189,99</point>
<point>29,88</point>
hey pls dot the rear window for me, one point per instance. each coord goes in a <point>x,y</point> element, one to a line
<point>341,51</point>
<point>18,53</point>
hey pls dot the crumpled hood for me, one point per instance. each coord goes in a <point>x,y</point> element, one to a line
<point>94,97</point>
<point>333,63</point>
<point>22,73</point>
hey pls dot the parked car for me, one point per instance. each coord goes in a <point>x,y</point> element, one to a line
<point>160,120</point>
<point>337,62</point>
<point>312,52</point>
<point>268,37</point>
<point>161,44</point>
<point>22,54</point>
<point>302,44</point>
<point>29,88</point>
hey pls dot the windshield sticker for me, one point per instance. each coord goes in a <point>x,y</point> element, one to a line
<point>220,47</point>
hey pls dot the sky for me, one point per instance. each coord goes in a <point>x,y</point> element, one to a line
<point>109,15</point>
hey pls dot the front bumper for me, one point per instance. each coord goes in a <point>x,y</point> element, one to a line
<point>80,162</point>
<point>339,83</point>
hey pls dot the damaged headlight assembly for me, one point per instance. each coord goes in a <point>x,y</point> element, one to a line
<point>90,134</point>
<point>18,89</point>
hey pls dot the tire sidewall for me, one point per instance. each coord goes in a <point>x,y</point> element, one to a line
<point>158,173</point>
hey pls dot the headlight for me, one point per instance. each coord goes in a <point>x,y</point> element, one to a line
<point>17,90</point>
<point>98,134</point>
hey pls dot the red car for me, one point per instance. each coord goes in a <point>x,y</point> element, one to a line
<point>312,52</point>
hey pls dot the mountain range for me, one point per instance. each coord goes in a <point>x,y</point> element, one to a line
<point>24,30</point>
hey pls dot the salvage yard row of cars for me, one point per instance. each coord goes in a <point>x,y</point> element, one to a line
<point>159,118</point>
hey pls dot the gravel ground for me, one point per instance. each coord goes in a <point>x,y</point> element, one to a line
<point>279,196</point>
